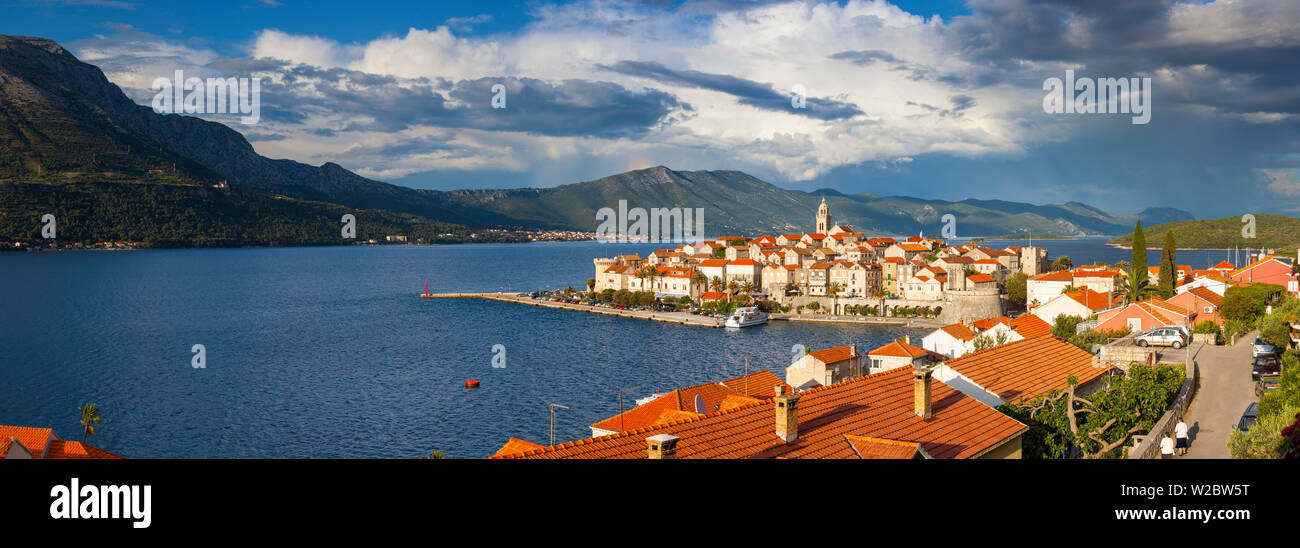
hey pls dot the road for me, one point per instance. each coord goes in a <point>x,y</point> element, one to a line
<point>1226,390</point>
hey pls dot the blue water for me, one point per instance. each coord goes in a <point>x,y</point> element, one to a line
<point>327,352</point>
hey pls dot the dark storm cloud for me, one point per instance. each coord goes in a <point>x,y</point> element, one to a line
<point>1130,38</point>
<point>865,57</point>
<point>749,92</point>
<point>388,104</point>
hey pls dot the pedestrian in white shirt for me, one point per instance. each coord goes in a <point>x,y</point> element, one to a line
<point>1167,447</point>
<point>1180,432</point>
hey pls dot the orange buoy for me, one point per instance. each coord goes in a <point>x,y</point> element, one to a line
<point>471,383</point>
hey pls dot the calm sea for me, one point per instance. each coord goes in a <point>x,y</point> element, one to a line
<point>328,352</point>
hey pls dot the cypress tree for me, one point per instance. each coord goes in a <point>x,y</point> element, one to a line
<point>1168,267</point>
<point>1138,266</point>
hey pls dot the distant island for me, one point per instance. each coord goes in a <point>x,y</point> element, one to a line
<point>1035,236</point>
<point>1271,232</point>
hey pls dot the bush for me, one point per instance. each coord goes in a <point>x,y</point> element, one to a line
<point>1206,327</point>
<point>1265,439</point>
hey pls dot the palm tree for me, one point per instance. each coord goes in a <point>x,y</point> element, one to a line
<point>732,286</point>
<point>642,275</point>
<point>716,284</point>
<point>748,289</point>
<point>434,455</point>
<point>834,290</point>
<point>698,279</point>
<point>880,293</point>
<point>1135,291</point>
<point>591,285</point>
<point>89,418</point>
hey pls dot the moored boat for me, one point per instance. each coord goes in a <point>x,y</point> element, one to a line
<point>746,317</point>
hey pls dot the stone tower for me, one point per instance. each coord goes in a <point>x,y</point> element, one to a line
<point>823,218</point>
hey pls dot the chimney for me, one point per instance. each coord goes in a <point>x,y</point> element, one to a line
<point>921,391</point>
<point>907,338</point>
<point>662,446</point>
<point>853,349</point>
<point>787,415</point>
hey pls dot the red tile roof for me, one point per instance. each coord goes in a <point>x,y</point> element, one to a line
<point>833,355</point>
<point>1090,299</point>
<point>1025,369</point>
<point>899,349</point>
<point>874,406</point>
<point>879,448</point>
<point>981,278</point>
<point>1058,276</point>
<point>516,445</point>
<point>44,443</point>
<point>743,262</point>
<point>989,323</point>
<point>1029,325</point>
<point>1210,296</point>
<point>761,385</point>
<point>959,332</point>
<point>714,262</point>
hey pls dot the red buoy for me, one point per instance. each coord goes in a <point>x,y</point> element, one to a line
<point>471,383</point>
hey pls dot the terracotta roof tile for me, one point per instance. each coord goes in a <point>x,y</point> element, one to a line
<point>1026,369</point>
<point>899,349</point>
<point>879,448</point>
<point>1029,325</point>
<point>876,406</point>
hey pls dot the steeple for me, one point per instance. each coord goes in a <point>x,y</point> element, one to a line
<point>823,217</point>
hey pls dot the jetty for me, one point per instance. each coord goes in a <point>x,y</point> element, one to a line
<point>684,318</point>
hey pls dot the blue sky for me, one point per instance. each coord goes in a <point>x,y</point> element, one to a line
<point>934,99</point>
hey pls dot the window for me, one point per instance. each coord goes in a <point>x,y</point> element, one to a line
<point>1208,309</point>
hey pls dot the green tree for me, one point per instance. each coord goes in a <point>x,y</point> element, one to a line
<point>1062,263</point>
<point>89,418</point>
<point>1064,327</point>
<point>1168,267</point>
<point>1016,286</point>
<point>591,284</point>
<point>1101,423</point>
<point>1138,270</point>
<point>434,455</point>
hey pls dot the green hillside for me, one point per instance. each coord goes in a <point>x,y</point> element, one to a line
<point>1271,232</point>
<point>161,215</point>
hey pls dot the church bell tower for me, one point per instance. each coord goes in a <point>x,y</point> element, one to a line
<point>823,218</point>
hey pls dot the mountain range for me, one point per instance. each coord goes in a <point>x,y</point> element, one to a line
<point>63,123</point>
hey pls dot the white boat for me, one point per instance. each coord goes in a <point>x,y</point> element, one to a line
<point>746,316</point>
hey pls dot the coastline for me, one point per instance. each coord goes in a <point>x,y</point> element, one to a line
<point>683,318</point>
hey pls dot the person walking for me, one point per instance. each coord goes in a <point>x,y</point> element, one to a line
<point>1167,447</point>
<point>1180,432</point>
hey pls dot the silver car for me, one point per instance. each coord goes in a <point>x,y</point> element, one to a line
<point>1163,336</point>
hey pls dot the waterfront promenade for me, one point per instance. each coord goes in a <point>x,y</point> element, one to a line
<point>684,318</point>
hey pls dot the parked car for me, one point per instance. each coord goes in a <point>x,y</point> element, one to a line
<point>1266,365</point>
<point>1247,418</point>
<point>1164,336</point>
<point>1266,385</point>
<point>1260,348</point>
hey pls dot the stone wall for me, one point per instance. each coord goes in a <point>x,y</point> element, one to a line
<point>971,305</point>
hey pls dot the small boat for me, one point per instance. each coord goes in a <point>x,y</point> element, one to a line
<point>471,383</point>
<point>746,317</point>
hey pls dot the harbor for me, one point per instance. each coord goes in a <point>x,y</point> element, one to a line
<point>684,318</point>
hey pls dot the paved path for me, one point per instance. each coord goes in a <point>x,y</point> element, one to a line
<point>1226,390</point>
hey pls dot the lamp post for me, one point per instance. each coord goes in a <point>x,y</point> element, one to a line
<point>553,406</point>
<point>620,405</point>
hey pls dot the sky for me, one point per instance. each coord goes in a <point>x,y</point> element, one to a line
<point>934,99</point>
